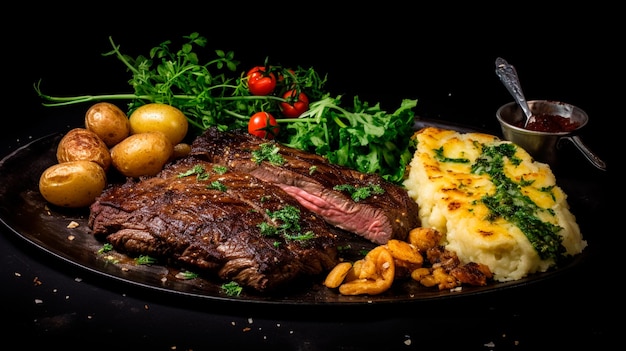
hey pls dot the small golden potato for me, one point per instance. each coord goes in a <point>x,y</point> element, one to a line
<point>73,183</point>
<point>155,117</point>
<point>181,150</point>
<point>108,121</point>
<point>80,144</point>
<point>142,154</point>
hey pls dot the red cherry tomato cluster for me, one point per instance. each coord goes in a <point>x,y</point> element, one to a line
<point>263,81</point>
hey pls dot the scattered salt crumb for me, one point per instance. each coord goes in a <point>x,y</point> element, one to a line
<point>250,321</point>
<point>246,329</point>
<point>146,307</point>
<point>173,348</point>
<point>407,341</point>
<point>71,237</point>
<point>36,281</point>
<point>38,301</point>
<point>457,289</point>
<point>490,344</point>
<point>67,297</point>
<point>89,317</point>
<point>264,337</point>
<point>54,290</point>
<point>291,332</point>
<point>232,323</point>
<point>278,325</point>
<point>78,280</point>
<point>17,274</point>
<point>73,225</point>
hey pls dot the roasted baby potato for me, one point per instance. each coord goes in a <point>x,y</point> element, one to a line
<point>142,154</point>
<point>72,183</point>
<point>181,150</point>
<point>156,117</point>
<point>80,144</point>
<point>108,121</point>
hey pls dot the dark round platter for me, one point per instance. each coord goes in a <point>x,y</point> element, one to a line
<point>26,214</point>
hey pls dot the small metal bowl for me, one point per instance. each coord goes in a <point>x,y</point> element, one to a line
<point>543,146</point>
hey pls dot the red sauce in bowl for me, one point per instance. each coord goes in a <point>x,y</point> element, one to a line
<point>549,123</point>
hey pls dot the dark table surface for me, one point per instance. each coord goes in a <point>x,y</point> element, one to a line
<point>49,302</point>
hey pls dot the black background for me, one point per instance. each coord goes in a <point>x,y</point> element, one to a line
<point>444,58</point>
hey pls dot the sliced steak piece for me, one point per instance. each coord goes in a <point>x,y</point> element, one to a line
<point>211,222</point>
<point>311,179</point>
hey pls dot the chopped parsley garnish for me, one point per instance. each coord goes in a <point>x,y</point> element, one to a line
<point>360,192</point>
<point>105,248</point>
<point>232,288</point>
<point>306,236</point>
<point>441,158</point>
<point>268,152</point>
<point>220,169</point>
<point>216,185</point>
<point>186,275</point>
<point>288,219</point>
<point>144,259</point>
<point>198,170</point>
<point>511,204</point>
<point>267,229</point>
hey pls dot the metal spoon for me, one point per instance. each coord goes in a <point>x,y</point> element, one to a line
<point>508,76</point>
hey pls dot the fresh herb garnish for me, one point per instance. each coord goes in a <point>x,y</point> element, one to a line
<point>306,236</point>
<point>216,185</point>
<point>268,152</point>
<point>510,203</point>
<point>145,259</point>
<point>105,248</point>
<point>198,170</point>
<point>286,222</point>
<point>358,193</point>
<point>439,155</point>
<point>186,275</point>
<point>232,288</point>
<point>220,169</point>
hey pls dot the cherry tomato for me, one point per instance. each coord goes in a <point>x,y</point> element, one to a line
<point>261,82</point>
<point>291,74</point>
<point>297,103</point>
<point>263,125</point>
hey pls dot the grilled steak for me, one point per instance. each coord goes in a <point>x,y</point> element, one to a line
<point>311,179</point>
<point>232,225</point>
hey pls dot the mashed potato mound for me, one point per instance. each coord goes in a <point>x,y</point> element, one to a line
<point>480,191</point>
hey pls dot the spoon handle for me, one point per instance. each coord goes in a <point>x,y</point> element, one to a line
<point>508,76</point>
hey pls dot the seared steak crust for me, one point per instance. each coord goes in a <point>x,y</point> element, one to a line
<point>310,179</point>
<point>192,222</point>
